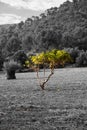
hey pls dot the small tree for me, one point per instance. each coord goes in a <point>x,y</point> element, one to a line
<point>51,58</point>
<point>13,45</point>
<point>11,67</point>
<point>20,57</point>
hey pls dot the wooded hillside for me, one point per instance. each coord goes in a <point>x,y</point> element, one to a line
<point>58,28</point>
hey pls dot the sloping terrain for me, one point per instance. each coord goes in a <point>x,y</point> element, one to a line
<point>58,27</point>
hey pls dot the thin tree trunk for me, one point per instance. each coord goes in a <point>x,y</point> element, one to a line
<point>42,83</point>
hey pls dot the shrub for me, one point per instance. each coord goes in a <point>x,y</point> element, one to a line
<point>74,53</point>
<point>81,60</point>
<point>11,67</point>
<point>20,57</point>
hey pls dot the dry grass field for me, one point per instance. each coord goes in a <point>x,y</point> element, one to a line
<point>61,106</point>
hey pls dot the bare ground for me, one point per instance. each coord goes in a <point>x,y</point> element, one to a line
<point>61,106</point>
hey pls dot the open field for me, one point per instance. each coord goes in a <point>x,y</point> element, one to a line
<point>61,106</point>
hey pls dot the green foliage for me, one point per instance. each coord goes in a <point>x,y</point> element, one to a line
<point>27,64</point>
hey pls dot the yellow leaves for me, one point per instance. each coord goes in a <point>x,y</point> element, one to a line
<point>34,59</point>
<point>27,63</point>
<point>58,57</point>
<point>51,56</point>
<point>54,57</point>
<point>39,58</point>
<point>63,57</point>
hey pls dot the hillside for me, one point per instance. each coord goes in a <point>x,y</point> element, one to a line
<point>59,28</point>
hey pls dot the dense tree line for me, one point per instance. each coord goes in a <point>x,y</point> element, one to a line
<point>79,57</point>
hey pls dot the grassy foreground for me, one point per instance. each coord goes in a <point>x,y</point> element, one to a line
<point>61,106</point>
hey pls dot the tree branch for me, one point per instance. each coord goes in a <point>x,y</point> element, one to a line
<point>42,85</point>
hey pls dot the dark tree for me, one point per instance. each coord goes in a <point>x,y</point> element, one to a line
<point>27,43</point>
<point>1,59</point>
<point>13,45</point>
<point>20,57</point>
